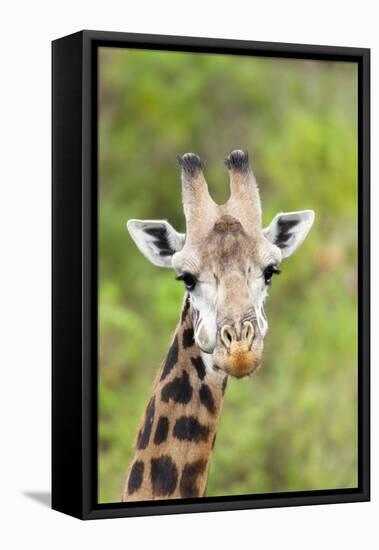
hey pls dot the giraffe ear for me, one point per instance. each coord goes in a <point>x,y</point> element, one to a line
<point>156,239</point>
<point>288,231</point>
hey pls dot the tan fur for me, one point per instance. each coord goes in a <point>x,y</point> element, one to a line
<point>181,452</point>
<point>244,202</point>
<point>224,263</point>
<point>202,212</point>
<point>218,238</point>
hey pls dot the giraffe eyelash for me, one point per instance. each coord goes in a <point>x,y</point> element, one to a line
<point>188,279</point>
<point>269,271</point>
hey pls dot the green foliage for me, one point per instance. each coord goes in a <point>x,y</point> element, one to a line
<point>292,426</point>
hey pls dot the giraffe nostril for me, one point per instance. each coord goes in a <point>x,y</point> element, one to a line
<point>244,336</point>
<point>228,336</point>
<point>247,332</point>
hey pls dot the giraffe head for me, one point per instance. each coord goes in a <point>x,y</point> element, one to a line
<point>225,259</point>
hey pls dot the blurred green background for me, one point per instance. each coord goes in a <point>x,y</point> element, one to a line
<point>293,425</point>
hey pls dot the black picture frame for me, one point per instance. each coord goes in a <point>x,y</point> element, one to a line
<point>74,273</point>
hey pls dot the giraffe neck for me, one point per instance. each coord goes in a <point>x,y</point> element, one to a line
<point>175,441</point>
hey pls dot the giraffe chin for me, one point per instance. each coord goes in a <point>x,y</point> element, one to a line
<point>240,363</point>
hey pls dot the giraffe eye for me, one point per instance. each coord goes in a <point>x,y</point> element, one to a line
<point>188,280</point>
<point>269,272</point>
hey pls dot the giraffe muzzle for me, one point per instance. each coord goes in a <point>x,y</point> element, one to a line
<point>240,354</point>
<point>230,337</point>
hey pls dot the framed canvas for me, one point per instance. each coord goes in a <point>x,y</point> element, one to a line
<point>219,163</point>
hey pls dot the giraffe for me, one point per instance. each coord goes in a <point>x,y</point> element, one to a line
<point>226,262</point>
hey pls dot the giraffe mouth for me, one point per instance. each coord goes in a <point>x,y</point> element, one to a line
<point>241,365</point>
<point>239,362</point>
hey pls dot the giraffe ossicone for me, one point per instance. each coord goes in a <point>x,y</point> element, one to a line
<point>226,261</point>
